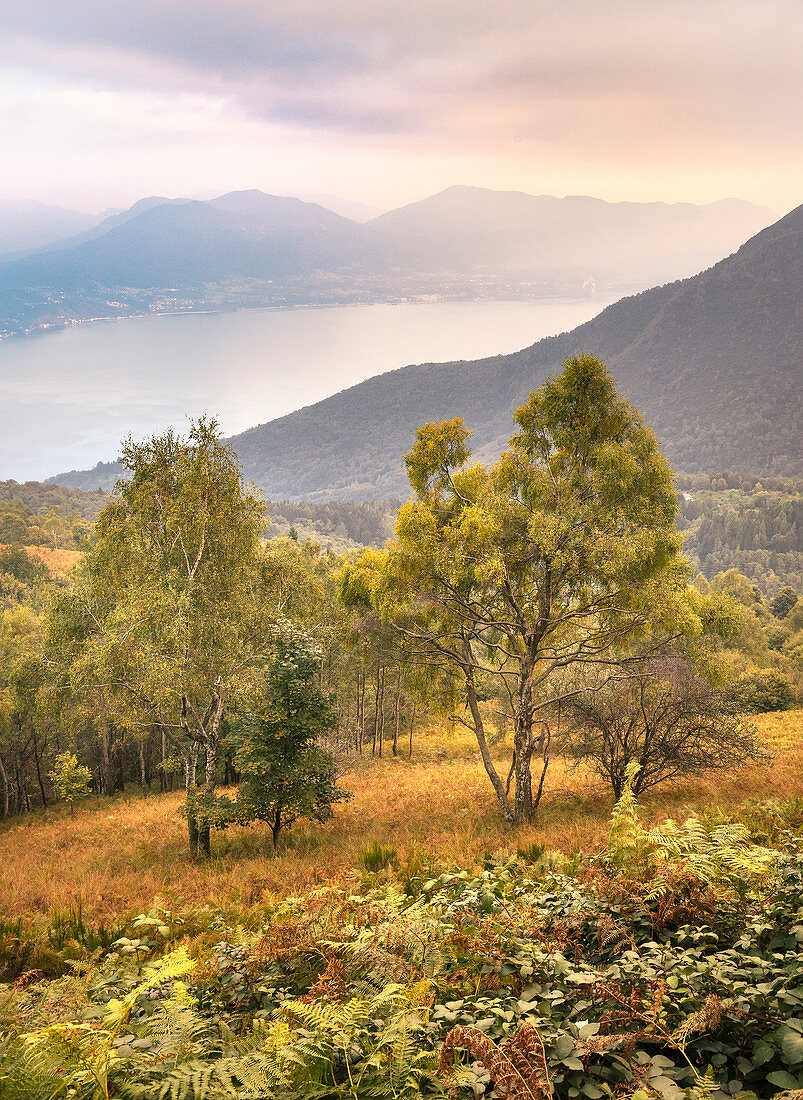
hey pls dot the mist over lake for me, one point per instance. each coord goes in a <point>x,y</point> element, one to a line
<point>68,397</point>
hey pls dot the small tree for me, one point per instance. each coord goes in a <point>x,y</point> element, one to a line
<point>662,716</point>
<point>286,776</point>
<point>784,602</point>
<point>70,779</point>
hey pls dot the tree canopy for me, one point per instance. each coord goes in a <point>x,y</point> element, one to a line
<point>558,555</point>
<point>165,620</point>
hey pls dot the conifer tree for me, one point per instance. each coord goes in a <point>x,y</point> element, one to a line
<point>286,775</point>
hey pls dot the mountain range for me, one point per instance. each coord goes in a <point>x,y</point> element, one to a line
<point>715,361</point>
<point>28,225</point>
<point>250,249</point>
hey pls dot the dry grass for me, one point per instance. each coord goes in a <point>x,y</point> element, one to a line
<point>117,857</point>
<point>58,562</point>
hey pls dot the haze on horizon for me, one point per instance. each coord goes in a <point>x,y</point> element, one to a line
<point>384,103</point>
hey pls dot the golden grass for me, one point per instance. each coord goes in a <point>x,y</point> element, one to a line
<point>117,856</point>
<point>58,562</point>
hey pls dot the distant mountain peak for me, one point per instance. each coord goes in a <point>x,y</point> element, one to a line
<point>250,248</point>
<point>714,361</point>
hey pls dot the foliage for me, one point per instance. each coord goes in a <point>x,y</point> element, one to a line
<point>68,926</point>
<point>342,525</point>
<point>70,779</point>
<point>619,978</point>
<point>762,691</point>
<point>60,678</point>
<point>720,855</point>
<point>751,528</point>
<point>285,775</point>
<point>557,555</point>
<point>784,602</point>
<point>163,624</point>
<point>16,562</point>
<point>517,1067</point>
<point>676,949</point>
<point>38,514</point>
<point>375,856</point>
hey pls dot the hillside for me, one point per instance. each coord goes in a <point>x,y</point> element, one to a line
<point>547,239</point>
<point>714,361</point>
<point>408,925</point>
<point>38,497</point>
<point>119,854</point>
<point>728,522</point>
<point>244,234</point>
<point>248,249</point>
<point>28,225</point>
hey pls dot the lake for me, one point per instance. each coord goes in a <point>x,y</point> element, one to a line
<point>69,396</point>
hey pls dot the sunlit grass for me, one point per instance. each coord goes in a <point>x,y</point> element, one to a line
<point>57,562</point>
<point>116,856</point>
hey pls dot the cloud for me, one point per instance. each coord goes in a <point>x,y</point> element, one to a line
<point>459,71</point>
<point>388,100</point>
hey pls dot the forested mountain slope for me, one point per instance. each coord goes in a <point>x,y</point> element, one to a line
<point>728,521</point>
<point>714,361</point>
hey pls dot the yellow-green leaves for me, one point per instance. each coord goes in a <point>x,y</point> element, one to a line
<point>562,552</point>
<point>439,449</point>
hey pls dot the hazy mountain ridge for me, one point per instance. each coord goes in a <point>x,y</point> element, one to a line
<point>28,225</point>
<point>714,361</point>
<point>250,249</point>
<point>190,243</point>
<point>104,224</point>
<point>474,230</point>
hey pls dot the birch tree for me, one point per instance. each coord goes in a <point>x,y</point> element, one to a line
<point>171,602</point>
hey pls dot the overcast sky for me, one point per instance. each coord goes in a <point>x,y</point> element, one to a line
<point>386,101</point>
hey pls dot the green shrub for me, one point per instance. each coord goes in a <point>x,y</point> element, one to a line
<point>531,853</point>
<point>375,857</point>
<point>764,691</point>
<point>774,820</point>
<point>70,779</point>
<point>68,926</point>
<point>418,867</point>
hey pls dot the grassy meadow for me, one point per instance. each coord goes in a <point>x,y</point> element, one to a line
<point>437,810</point>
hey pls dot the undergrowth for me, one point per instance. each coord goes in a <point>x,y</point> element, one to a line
<point>669,965</point>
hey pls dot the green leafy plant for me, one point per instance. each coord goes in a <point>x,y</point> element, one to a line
<point>70,779</point>
<point>720,855</point>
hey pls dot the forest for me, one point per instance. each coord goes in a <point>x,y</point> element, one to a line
<point>729,521</point>
<point>390,817</point>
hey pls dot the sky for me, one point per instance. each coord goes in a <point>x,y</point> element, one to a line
<point>386,101</point>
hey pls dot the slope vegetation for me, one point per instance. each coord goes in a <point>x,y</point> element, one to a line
<point>714,361</point>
